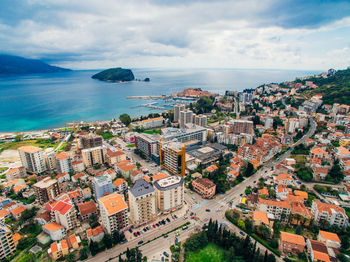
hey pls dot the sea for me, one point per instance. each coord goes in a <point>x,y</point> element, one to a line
<point>44,101</point>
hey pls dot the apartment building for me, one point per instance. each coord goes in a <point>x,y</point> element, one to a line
<point>333,214</point>
<point>7,246</point>
<point>32,159</point>
<point>186,117</point>
<point>113,212</point>
<point>93,156</point>
<point>173,157</point>
<point>279,209</point>
<point>91,140</point>
<point>87,209</point>
<point>238,126</point>
<point>292,243</point>
<point>54,230</point>
<point>189,133</point>
<point>150,122</point>
<point>15,173</point>
<point>147,144</point>
<point>102,186</point>
<point>200,120</point>
<point>114,157</point>
<point>63,163</point>
<point>169,193</point>
<point>50,160</point>
<point>205,187</point>
<point>142,200</point>
<point>177,109</point>
<point>46,189</point>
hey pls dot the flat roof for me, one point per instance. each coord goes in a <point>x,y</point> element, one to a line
<point>169,182</point>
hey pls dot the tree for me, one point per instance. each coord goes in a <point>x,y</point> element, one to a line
<point>70,257</point>
<point>83,253</point>
<point>249,170</point>
<point>125,118</point>
<point>345,242</point>
<point>241,223</point>
<point>93,248</point>
<point>107,240</point>
<point>336,173</point>
<point>271,258</point>
<point>93,220</point>
<point>299,230</point>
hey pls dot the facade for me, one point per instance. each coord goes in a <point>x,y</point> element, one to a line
<point>87,209</point>
<point>292,243</point>
<point>169,193</point>
<point>177,109</point>
<point>63,163</point>
<point>142,199</point>
<point>238,126</point>
<point>7,245</point>
<point>50,160</point>
<point>54,230</point>
<point>46,190</point>
<point>173,157</point>
<point>120,185</point>
<point>186,117</point>
<point>102,186</point>
<point>93,156</point>
<point>151,122</point>
<point>268,122</point>
<point>91,140</point>
<point>333,214</point>
<point>329,238</point>
<point>191,132</point>
<point>113,212</point>
<point>204,187</point>
<point>200,120</point>
<point>114,157</point>
<point>14,173</point>
<point>279,209</point>
<point>147,145</point>
<point>32,159</point>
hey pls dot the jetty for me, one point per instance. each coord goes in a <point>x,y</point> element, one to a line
<point>148,97</point>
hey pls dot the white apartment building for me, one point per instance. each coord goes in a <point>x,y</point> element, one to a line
<point>191,132</point>
<point>186,117</point>
<point>63,163</point>
<point>279,209</point>
<point>50,160</point>
<point>142,200</point>
<point>32,159</point>
<point>63,212</point>
<point>333,214</point>
<point>113,212</point>
<point>169,193</point>
<point>200,120</point>
<point>94,155</point>
<point>177,109</point>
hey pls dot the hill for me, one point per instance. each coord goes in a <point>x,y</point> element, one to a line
<point>335,89</point>
<point>16,65</point>
<point>115,75</point>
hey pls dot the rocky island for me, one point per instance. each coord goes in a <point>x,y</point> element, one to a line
<point>115,75</point>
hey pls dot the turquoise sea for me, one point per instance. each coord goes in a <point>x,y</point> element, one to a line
<point>34,102</point>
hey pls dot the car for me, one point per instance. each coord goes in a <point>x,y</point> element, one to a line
<point>154,225</point>
<point>175,216</point>
<point>130,230</point>
<point>157,224</point>
<point>165,236</point>
<point>207,210</point>
<point>191,214</point>
<point>124,241</point>
<point>192,217</point>
<point>184,228</point>
<point>243,234</point>
<point>135,234</point>
<point>167,219</point>
<point>254,181</point>
<point>140,242</point>
<point>165,254</point>
<point>240,194</point>
<point>138,233</point>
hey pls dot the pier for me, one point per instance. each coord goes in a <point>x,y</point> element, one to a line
<point>148,97</point>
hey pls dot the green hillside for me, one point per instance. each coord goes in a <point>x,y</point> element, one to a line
<point>115,75</point>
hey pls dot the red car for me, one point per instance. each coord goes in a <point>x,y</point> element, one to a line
<point>154,225</point>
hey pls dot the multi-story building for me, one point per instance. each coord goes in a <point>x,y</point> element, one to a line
<point>114,157</point>
<point>63,212</point>
<point>32,159</point>
<point>87,209</point>
<point>234,139</point>
<point>177,109</point>
<point>200,120</point>
<point>7,246</point>
<point>290,125</point>
<point>54,230</point>
<point>238,126</point>
<point>245,97</point>
<point>205,187</point>
<point>113,212</point>
<point>190,133</point>
<point>150,122</point>
<point>15,173</point>
<point>292,243</point>
<point>93,156</point>
<point>142,200</point>
<point>46,190</point>
<point>102,186</point>
<point>173,157</point>
<point>279,209</point>
<point>268,122</point>
<point>147,144</point>
<point>91,140</point>
<point>63,163</point>
<point>186,117</point>
<point>333,214</point>
<point>50,160</point>
<point>169,193</point>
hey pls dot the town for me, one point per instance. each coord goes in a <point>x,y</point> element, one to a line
<point>263,174</point>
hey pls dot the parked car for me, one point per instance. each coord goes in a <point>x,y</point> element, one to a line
<point>167,219</point>
<point>165,254</point>
<point>242,233</point>
<point>165,236</point>
<point>207,210</point>
<point>140,242</point>
<point>154,225</point>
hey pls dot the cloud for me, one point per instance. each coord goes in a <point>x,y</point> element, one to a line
<point>154,33</point>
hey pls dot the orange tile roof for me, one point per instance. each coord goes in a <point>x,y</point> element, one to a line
<point>16,237</point>
<point>330,236</point>
<point>320,256</point>
<point>29,149</point>
<point>263,191</point>
<point>87,208</point>
<point>212,168</point>
<point>64,244</point>
<point>234,166</point>
<point>303,194</point>
<point>284,176</point>
<point>62,156</point>
<point>292,238</point>
<point>113,203</point>
<point>146,178</point>
<point>234,173</point>
<point>283,204</point>
<point>52,226</point>
<point>318,150</point>
<point>260,216</point>
<point>119,181</point>
<point>4,212</point>
<point>54,247</point>
<point>95,231</point>
<point>159,176</point>
<point>72,240</point>
<point>18,188</point>
<point>328,207</point>
<point>18,210</point>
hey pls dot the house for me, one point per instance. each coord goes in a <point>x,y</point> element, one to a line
<point>333,214</point>
<point>96,234</point>
<point>204,187</point>
<point>317,251</point>
<point>282,192</point>
<point>114,157</point>
<point>44,218</point>
<point>63,177</point>
<point>299,213</point>
<point>16,172</point>
<point>4,214</point>
<point>54,230</point>
<point>60,249</point>
<point>136,175</point>
<point>279,209</point>
<point>303,194</point>
<point>125,168</point>
<point>319,153</point>
<point>17,212</point>
<point>320,173</point>
<point>292,243</point>
<point>329,238</point>
<point>87,209</point>
<point>211,169</point>
<point>87,193</point>
<point>232,174</point>
<point>111,173</point>
<point>78,166</point>
<point>283,179</point>
<point>16,238</point>
<point>76,196</point>
<point>264,192</point>
<point>259,218</point>
<point>80,177</point>
<point>120,185</point>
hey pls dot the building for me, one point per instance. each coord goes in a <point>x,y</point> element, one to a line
<point>142,200</point>
<point>93,156</point>
<point>292,243</point>
<point>259,218</point>
<point>63,163</point>
<point>191,132</point>
<point>102,186</point>
<point>32,159</point>
<point>78,166</point>
<point>62,248</point>
<point>333,214</point>
<point>50,160</point>
<point>125,168</point>
<point>46,190</point>
<point>318,251</point>
<point>173,157</point>
<point>200,120</point>
<point>268,122</point>
<point>7,245</point>
<point>95,234</point>
<point>151,122</point>
<point>87,209</point>
<point>91,140</point>
<point>245,97</point>
<point>238,126</point>
<point>204,187</point>
<point>329,238</point>
<point>177,109</point>
<point>186,117</point>
<point>14,173</point>
<point>169,193</point>
<point>120,185</point>
<point>113,212</point>
<point>291,125</point>
<point>54,230</point>
<point>280,210</point>
<point>284,179</point>
<point>147,144</point>
<point>114,157</point>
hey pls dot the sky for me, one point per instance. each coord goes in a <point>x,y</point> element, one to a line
<point>96,34</point>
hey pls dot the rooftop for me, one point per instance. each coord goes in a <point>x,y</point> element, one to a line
<point>113,203</point>
<point>169,182</point>
<point>87,208</point>
<point>141,187</point>
<point>52,227</point>
<point>45,183</point>
<point>292,238</point>
<point>30,149</point>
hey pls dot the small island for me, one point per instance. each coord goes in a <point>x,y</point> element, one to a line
<point>115,75</point>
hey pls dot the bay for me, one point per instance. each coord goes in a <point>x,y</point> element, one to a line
<point>41,101</point>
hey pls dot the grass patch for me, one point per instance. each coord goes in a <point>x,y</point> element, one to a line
<point>300,158</point>
<point>2,169</point>
<point>131,145</point>
<point>38,143</point>
<point>211,253</point>
<point>153,131</point>
<point>107,136</point>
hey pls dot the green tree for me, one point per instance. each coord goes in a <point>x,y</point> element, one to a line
<point>93,220</point>
<point>125,118</point>
<point>83,253</point>
<point>93,248</point>
<point>107,240</point>
<point>249,170</point>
